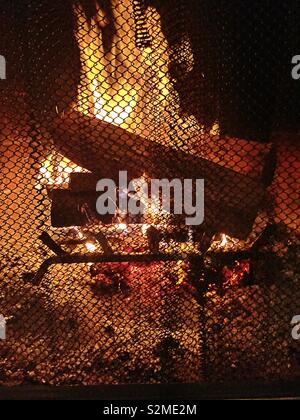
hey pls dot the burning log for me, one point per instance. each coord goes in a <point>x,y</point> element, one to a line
<point>232,200</point>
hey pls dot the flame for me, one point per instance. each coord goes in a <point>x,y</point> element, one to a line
<point>110,79</point>
<point>122,226</point>
<point>56,170</point>
<point>145,229</point>
<point>115,109</point>
<point>90,247</point>
<point>224,241</point>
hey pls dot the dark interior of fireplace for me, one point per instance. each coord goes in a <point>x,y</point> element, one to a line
<point>161,89</point>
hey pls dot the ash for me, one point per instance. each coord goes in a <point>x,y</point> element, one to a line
<point>156,330</point>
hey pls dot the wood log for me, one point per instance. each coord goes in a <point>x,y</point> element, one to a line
<point>232,200</point>
<point>83,182</point>
<point>75,209</point>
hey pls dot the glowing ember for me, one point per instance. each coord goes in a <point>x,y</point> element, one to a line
<point>236,275</point>
<point>80,235</point>
<point>224,241</point>
<point>91,247</point>
<point>77,233</point>
<point>145,229</point>
<point>121,227</point>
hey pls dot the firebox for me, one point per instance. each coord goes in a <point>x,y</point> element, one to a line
<point>164,90</point>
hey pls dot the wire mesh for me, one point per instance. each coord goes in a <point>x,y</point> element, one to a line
<point>161,90</point>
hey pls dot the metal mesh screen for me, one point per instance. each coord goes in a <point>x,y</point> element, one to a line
<point>196,89</point>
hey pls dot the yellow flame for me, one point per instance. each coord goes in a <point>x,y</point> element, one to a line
<point>115,109</point>
<point>110,80</point>
<point>56,170</point>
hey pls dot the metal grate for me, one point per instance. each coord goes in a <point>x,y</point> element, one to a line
<point>199,89</point>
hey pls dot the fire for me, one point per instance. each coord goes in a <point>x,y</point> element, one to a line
<point>56,171</point>
<point>91,247</point>
<point>145,229</point>
<point>121,227</point>
<point>224,241</point>
<point>109,86</point>
<point>117,109</point>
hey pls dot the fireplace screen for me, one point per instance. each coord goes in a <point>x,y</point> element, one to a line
<point>180,90</point>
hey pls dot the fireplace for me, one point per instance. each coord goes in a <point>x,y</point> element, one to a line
<point>196,90</point>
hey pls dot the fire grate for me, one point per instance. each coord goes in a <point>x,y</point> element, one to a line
<point>199,89</point>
